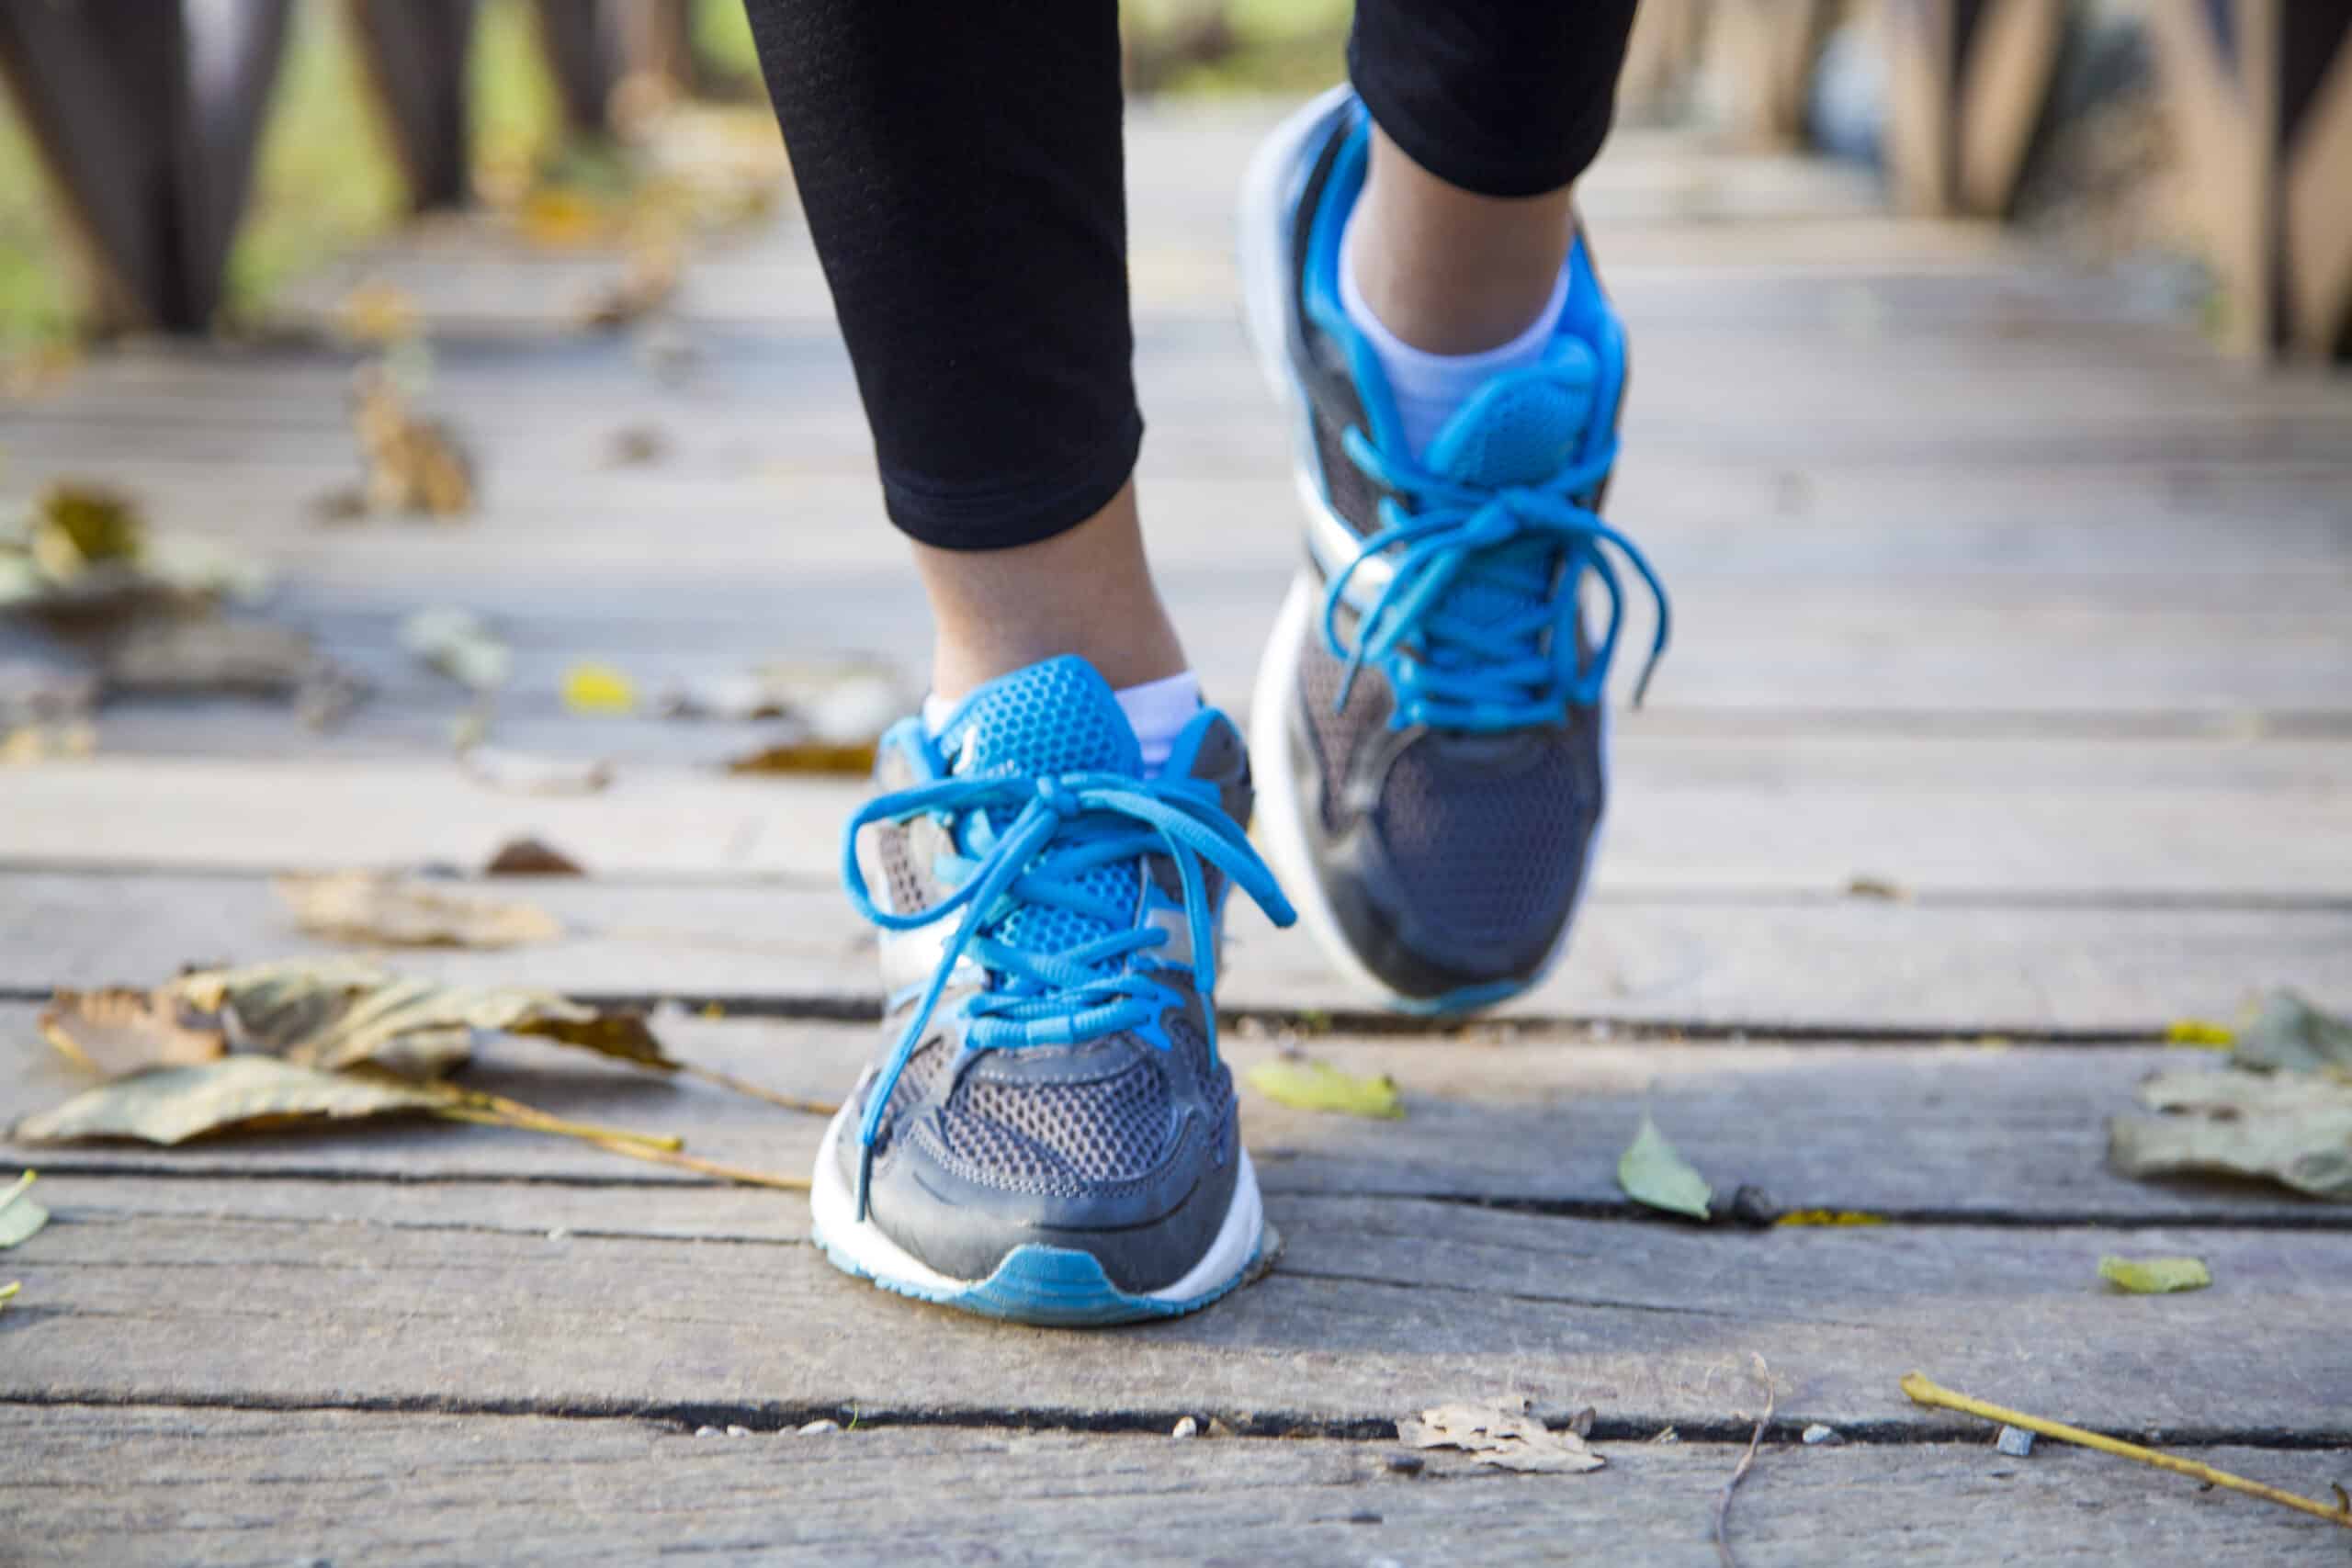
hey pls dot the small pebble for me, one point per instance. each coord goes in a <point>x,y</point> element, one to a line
<point>739,1431</point>
<point>1817,1433</point>
<point>1404,1464</point>
<point>1185,1428</point>
<point>706,1431</point>
<point>818,1427</point>
<point>2015,1442</point>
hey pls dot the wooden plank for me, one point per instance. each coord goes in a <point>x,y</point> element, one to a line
<point>218,1486</point>
<point>1951,1134</point>
<point>1746,814</point>
<point>1378,1305</point>
<point>1821,963</point>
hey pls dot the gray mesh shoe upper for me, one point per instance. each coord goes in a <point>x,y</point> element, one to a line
<point>1120,1141</point>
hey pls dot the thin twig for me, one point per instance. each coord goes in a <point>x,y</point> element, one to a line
<point>591,1130</point>
<point>742,1086</point>
<point>1739,1472</point>
<point>635,1148</point>
<point>1924,1391</point>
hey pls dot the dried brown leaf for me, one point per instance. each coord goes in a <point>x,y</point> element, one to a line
<point>119,1031</point>
<point>171,1105</point>
<point>374,908</point>
<point>1502,1434</point>
<point>413,465</point>
<point>529,857</point>
<point>2293,1128</point>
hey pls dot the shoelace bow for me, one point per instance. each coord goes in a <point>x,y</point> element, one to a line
<point>1474,673</point>
<point>1067,825</point>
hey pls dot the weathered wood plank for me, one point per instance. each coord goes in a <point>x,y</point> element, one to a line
<point>220,1487</point>
<point>1819,962</point>
<point>1953,1133</point>
<point>1379,1305</point>
<point>1770,814</point>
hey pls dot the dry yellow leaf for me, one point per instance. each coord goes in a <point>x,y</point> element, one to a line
<point>1305,1083</point>
<point>598,689</point>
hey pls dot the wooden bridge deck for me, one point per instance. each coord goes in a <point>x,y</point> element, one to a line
<point>1992,583</point>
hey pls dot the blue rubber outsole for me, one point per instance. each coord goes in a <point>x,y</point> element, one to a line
<point>1050,1287</point>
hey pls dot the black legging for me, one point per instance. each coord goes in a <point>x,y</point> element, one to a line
<point>961,167</point>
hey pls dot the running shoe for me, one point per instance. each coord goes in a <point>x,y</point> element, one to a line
<point>1429,718</point>
<point>1051,1136</point>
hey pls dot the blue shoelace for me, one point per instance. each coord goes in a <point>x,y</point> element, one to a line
<point>1067,825</point>
<point>1478,673</point>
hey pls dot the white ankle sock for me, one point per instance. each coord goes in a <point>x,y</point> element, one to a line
<point>1159,711</point>
<point>1427,386</point>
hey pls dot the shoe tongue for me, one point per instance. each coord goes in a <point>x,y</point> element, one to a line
<point>1522,426</point>
<point>1055,717</point>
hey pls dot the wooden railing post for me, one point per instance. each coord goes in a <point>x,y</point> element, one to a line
<point>2260,94</point>
<point>151,156</point>
<point>1765,50</point>
<point>1968,82</point>
<point>586,50</point>
<point>414,52</point>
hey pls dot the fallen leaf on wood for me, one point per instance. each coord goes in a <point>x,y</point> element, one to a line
<point>1303,1083</point>
<point>30,744</point>
<point>2201,1033</point>
<point>84,549</point>
<point>2154,1275</point>
<point>527,772</point>
<point>1882,887</point>
<point>377,312</point>
<point>633,446</point>
<point>833,700</point>
<point>2292,1035</point>
<point>529,857</point>
<point>647,284</point>
<point>413,465</point>
<point>8,1292</point>
<point>171,1105</point>
<point>335,1013</point>
<point>1499,1435</point>
<point>78,524</point>
<point>182,654</point>
<point>119,1031</point>
<point>19,1215</point>
<point>1650,1171</point>
<point>459,645</point>
<point>376,908</point>
<point>1829,1217</point>
<point>807,757</point>
<point>2293,1128</point>
<point>598,689</point>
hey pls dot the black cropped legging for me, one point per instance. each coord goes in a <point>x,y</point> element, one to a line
<point>961,166</point>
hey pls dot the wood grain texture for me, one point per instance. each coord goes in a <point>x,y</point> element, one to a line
<point>1942,1132</point>
<point>1817,962</point>
<point>216,1487</point>
<point>1754,815</point>
<point>1379,1304</point>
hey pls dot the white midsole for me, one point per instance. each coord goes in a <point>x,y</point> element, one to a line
<point>834,1208</point>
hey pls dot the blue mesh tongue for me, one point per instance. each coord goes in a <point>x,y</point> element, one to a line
<point>1055,717</point>
<point>1519,429</point>
<point>1524,425</point>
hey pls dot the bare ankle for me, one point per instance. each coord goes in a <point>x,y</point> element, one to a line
<point>1447,271</point>
<point>1087,591</point>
